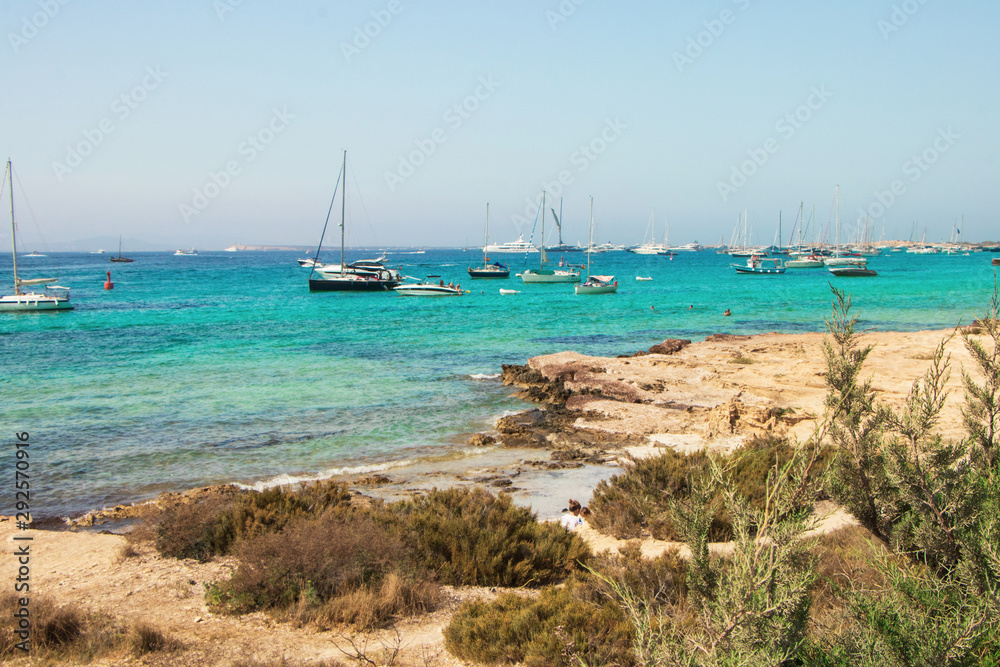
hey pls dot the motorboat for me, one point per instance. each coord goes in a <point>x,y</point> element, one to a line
<point>185,253</point>
<point>509,291</point>
<point>643,278</point>
<point>852,271</point>
<point>429,287</point>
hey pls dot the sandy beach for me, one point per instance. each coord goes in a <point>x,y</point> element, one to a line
<point>595,411</point>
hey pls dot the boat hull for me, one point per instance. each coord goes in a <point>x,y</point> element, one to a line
<point>487,273</point>
<point>596,289</point>
<point>426,290</point>
<point>852,272</point>
<point>30,303</point>
<point>758,271</point>
<point>350,285</point>
<point>804,264</point>
<point>530,277</point>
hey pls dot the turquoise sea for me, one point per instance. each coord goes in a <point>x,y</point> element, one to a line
<point>223,367</point>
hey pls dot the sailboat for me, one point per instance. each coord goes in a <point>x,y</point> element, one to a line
<point>800,258</point>
<point>841,257</point>
<point>361,276</point>
<point>541,274</point>
<point>495,270</point>
<point>651,247</point>
<point>119,258</point>
<point>29,301</point>
<point>595,284</point>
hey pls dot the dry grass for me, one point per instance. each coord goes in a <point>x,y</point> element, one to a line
<point>67,634</point>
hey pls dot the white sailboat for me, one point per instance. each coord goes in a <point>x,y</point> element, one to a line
<point>541,274</point>
<point>29,301</point>
<point>595,284</point>
<point>651,247</point>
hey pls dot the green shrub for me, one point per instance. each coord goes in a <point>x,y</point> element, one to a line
<point>470,537</point>
<point>341,568</point>
<point>553,629</point>
<point>638,500</point>
<point>211,526</point>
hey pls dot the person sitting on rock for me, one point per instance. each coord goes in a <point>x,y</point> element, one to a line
<point>570,519</point>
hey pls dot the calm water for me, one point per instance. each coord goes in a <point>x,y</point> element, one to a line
<point>224,367</point>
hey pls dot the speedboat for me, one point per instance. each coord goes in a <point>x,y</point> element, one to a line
<point>641,278</point>
<point>185,253</point>
<point>509,291</point>
<point>852,271</point>
<point>429,287</point>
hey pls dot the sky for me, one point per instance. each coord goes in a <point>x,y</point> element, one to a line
<point>213,122</point>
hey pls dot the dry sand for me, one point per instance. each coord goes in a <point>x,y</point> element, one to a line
<point>709,394</point>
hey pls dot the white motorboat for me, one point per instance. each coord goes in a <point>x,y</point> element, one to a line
<point>31,301</point>
<point>185,253</point>
<point>509,291</point>
<point>643,278</point>
<point>429,287</point>
<point>649,246</point>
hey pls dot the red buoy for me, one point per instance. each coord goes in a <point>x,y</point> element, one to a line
<point>108,284</point>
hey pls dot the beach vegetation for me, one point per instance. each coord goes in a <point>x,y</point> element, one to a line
<point>934,502</point>
<point>637,502</point>
<point>66,633</point>
<point>366,566</point>
<point>578,622</point>
<point>212,526</point>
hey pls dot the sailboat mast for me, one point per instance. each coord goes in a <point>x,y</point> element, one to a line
<point>559,221</point>
<point>541,242</point>
<point>590,243</point>
<point>13,234</point>
<point>486,235</point>
<point>343,210</point>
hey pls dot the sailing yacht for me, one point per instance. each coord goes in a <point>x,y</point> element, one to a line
<point>650,247</point>
<point>495,270</point>
<point>362,276</point>
<point>119,258</point>
<point>595,284</point>
<point>29,301</point>
<point>541,274</point>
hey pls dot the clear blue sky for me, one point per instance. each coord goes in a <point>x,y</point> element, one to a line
<point>666,120</point>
